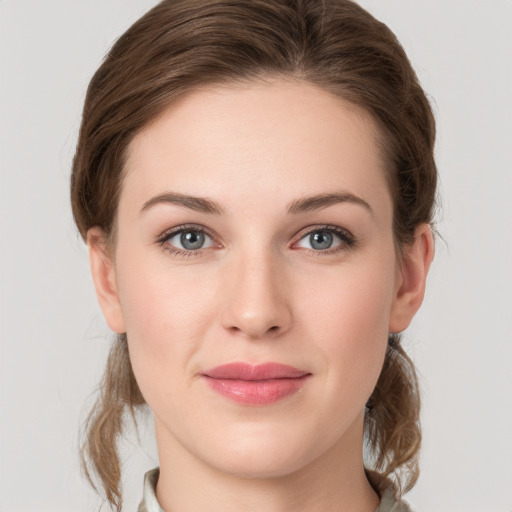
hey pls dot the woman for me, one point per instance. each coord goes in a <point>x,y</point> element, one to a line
<point>255,181</point>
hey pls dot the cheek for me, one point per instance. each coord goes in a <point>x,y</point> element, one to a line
<point>349,318</point>
<point>166,314</point>
<point>155,296</point>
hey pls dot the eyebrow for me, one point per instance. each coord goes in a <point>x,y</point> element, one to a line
<point>199,204</point>
<point>318,202</point>
<point>302,205</point>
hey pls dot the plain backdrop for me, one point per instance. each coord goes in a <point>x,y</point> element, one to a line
<point>54,340</point>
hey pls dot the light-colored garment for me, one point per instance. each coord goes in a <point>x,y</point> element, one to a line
<point>388,502</point>
<point>149,502</point>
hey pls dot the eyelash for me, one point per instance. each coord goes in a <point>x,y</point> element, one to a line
<point>348,241</point>
<point>167,235</point>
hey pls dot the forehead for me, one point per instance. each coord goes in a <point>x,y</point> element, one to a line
<point>270,139</point>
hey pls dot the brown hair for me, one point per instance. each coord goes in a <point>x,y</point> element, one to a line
<point>180,45</point>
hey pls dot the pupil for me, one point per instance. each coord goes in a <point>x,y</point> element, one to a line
<point>321,240</point>
<point>192,240</point>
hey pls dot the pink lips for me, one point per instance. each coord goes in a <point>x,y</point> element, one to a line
<point>255,384</point>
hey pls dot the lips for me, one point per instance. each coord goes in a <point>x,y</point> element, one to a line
<point>255,384</point>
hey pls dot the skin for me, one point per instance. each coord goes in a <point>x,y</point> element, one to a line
<point>259,292</point>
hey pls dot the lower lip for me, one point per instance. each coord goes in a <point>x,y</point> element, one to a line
<point>256,392</point>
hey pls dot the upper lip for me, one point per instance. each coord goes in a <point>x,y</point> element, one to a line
<point>249,372</point>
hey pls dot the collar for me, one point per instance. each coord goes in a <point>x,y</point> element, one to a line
<point>149,502</point>
<point>384,487</point>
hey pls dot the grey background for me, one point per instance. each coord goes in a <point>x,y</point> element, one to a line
<point>53,338</point>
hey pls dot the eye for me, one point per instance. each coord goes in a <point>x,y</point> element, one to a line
<point>186,240</point>
<point>328,239</point>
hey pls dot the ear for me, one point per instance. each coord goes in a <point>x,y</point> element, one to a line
<point>412,277</point>
<point>104,277</point>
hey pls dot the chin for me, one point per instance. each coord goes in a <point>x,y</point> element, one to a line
<point>261,464</point>
<point>263,451</point>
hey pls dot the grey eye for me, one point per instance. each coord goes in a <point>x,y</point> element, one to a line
<point>192,240</point>
<point>321,240</point>
<point>189,239</point>
<point>324,239</point>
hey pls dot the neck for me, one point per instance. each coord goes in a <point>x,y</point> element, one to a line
<point>334,482</point>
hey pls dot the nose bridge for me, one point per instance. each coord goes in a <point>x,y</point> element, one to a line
<point>257,305</point>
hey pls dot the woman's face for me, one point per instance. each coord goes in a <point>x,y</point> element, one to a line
<point>254,230</point>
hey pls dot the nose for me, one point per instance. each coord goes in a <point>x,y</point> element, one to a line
<point>257,305</point>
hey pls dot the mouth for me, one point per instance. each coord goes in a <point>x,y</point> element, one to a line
<point>255,384</point>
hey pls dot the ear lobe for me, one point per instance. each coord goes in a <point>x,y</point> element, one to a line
<point>103,275</point>
<point>416,262</point>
